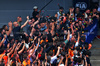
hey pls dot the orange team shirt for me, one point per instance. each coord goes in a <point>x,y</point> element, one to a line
<point>26,62</point>
<point>1,55</point>
<point>71,52</point>
<point>18,58</point>
<point>5,57</point>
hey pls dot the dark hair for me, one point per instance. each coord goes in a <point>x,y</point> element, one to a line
<point>88,53</point>
<point>51,53</point>
<point>86,46</point>
<point>39,49</point>
<point>61,8</point>
<point>75,60</point>
<point>36,33</point>
<point>79,60</point>
<point>25,56</point>
<point>44,37</point>
<point>77,7</point>
<point>83,38</point>
<point>3,27</point>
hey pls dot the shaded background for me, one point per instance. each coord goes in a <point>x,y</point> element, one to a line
<point>11,9</point>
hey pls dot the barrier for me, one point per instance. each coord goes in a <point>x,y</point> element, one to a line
<point>92,31</point>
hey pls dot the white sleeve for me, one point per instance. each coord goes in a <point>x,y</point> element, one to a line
<point>70,36</point>
<point>26,45</point>
<point>53,58</point>
<point>76,44</point>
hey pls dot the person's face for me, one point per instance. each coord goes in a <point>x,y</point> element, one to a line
<point>72,39</point>
<point>58,26</point>
<point>39,26</point>
<point>56,15</point>
<point>35,9</point>
<point>33,20</point>
<point>88,11</point>
<point>65,31</point>
<point>42,24</point>
<point>3,31</point>
<point>30,22</point>
<point>70,8</point>
<point>12,40</point>
<point>80,22</point>
<point>77,9</point>
<point>16,24</point>
<point>71,64</point>
<point>94,10</point>
<point>29,38</point>
<point>39,34</point>
<point>51,23</point>
<point>76,24</point>
<point>41,49</point>
<point>6,27</point>
<point>82,41</point>
<point>61,10</point>
<point>20,19</point>
<point>37,15</point>
<point>15,52</point>
<point>8,45</point>
<point>90,16</point>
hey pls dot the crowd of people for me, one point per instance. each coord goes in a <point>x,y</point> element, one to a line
<point>57,40</point>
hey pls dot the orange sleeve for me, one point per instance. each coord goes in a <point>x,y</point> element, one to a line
<point>29,62</point>
<point>1,55</point>
<point>71,53</point>
<point>90,45</point>
<point>6,59</point>
<point>24,63</point>
<point>41,41</point>
<point>46,40</point>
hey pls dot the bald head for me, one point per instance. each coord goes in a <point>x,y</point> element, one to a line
<point>15,24</point>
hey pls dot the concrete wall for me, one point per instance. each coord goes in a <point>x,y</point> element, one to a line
<point>10,9</point>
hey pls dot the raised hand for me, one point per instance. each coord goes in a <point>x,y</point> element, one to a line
<point>10,23</point>
<point>27,17</point>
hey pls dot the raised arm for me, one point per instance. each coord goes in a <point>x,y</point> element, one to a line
<point>78,37</point>
<point>3,40</point>
<point>76,44</point>
<point>18,46</point>
<point>36,22</point>
<point>66,61</point>
<point>32,31</point>
<point>85,61</point>
<point>45,59</point>
<point>10,28</point>
<point>61,60</point>
<point>58,51</point>
<point>68,37</point>
<point>32,50</point>
<point>25,22</point>
<point>11,50</point>
<point>22,49</point>
<point>38,43</point>
<point>71,13</point>
<point>33,47</point>
<point>9,62</point>
<point>72,28</point>
<point>2,57</point>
